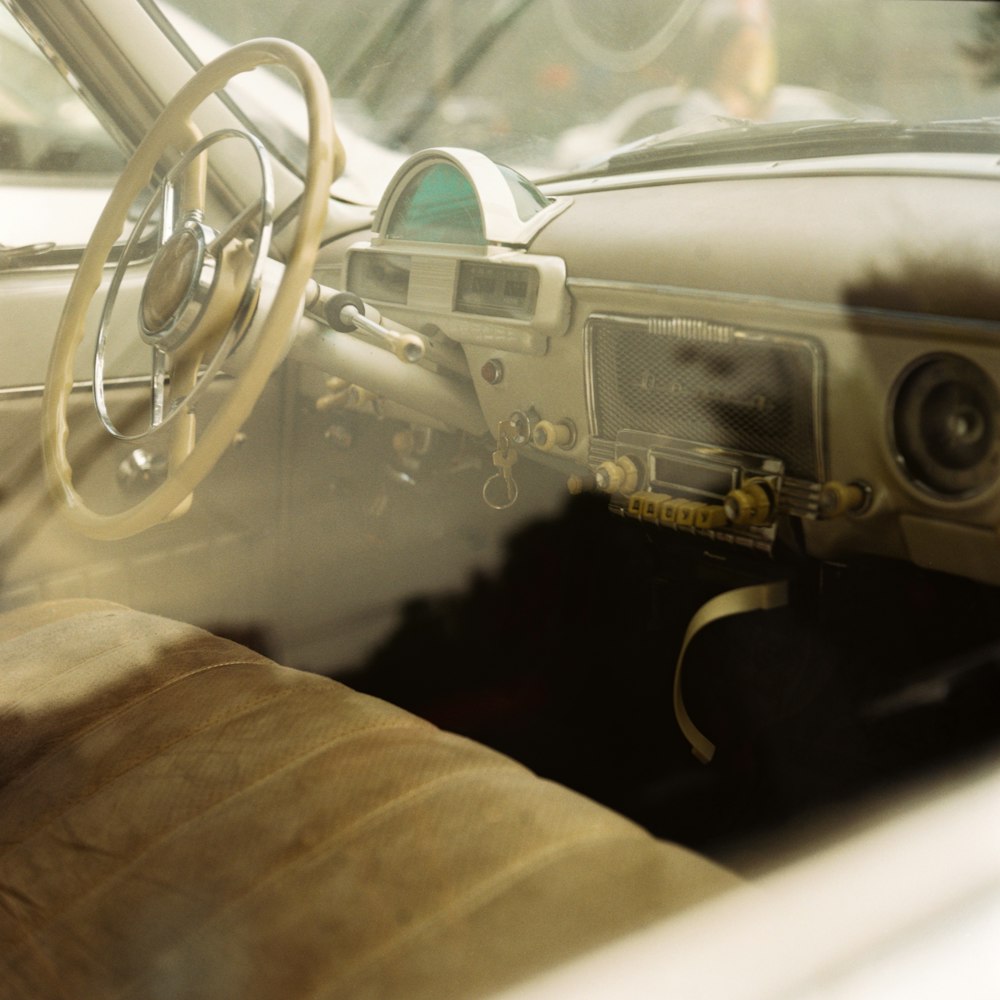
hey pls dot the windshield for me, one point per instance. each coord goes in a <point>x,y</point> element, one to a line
<point>545,85</point>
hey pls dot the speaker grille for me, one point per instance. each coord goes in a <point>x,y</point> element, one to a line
<point>946,422</point>
<point>710,384</point>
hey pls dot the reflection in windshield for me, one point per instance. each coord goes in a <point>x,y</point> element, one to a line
<point>45,129</point>
<point>546,84</point>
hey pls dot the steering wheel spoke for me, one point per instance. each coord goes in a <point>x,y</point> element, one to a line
<point>193,177</point>
<point>168,211</point>
<point>158,388</point>
<point>200,292</point>
<point>183,379</point>
<point>223,239</point>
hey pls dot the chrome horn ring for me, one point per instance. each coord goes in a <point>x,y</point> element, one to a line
<point>182,281</point>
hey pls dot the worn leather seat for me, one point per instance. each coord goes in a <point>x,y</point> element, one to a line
<point>181,817</point>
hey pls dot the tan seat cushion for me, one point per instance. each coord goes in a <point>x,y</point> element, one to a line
<point>180,817</point>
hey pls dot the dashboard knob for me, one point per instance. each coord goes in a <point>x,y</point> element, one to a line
<point>492,371</point>
<point>752,503</point>
<point>548,435</point>
<point>620,475</point>
<point>577,484</point>
<point>841,498</point>
<point>345,312</point>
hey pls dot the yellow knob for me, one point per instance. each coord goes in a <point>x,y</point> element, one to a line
<point>839,498</point>
<point>548,435</point>
<point>577,484</point>
<point>753,503</point>
<point>618,476</point>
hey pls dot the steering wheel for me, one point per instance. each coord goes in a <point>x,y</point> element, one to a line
<point>199,294</point>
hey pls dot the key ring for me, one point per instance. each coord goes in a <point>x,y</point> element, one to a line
<point>511,491</point>
<point>504,458</point>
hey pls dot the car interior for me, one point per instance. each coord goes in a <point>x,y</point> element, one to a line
<point>511,573</point>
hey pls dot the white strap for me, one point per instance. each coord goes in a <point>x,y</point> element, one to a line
<point>760,597</point>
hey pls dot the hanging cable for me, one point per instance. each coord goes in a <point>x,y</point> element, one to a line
<point>759,597</point>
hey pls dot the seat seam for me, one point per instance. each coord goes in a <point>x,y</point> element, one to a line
<point>167,835</point>
<point>475,897</point>
<point>324,847</point>
<point>122,644</point>
<point>107,719</point>
<point>10,708</point>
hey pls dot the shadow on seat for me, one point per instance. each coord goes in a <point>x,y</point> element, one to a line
<point>181,817</point>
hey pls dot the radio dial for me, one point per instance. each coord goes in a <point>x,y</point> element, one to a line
<point>620,475</point>
<point>753,503</point>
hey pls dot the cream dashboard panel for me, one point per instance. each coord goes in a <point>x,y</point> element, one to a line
<point>765,358</point>
<point>718,391</point>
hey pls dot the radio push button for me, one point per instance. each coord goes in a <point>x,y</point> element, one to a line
<point>709,516</point>
<point>645,505</point>
<point>674,512</point>
<point>686,511</point>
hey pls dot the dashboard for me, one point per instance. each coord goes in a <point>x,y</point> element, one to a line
<point>797,353</point>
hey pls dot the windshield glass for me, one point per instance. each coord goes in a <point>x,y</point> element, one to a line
<point>544,85</point>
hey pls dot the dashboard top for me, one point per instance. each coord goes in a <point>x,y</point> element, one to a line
<point>824,237</point>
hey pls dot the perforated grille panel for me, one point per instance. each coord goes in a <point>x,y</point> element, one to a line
<point>710,384</point>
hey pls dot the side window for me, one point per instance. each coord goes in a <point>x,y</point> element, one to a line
<point>57,163</point>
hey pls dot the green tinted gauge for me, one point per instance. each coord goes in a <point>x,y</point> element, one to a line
<point>528,200</point>
<point>438,206</point>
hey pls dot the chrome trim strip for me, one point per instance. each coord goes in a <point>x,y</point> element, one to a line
<point>32,391</point>
<point>66,259</point>
<point>695,328</point>
<point>970,166</point>
<point>898,321</point>
<point>76,43</point>
<point>589,378</point>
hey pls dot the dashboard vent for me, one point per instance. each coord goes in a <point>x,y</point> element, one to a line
<point>708,383</point>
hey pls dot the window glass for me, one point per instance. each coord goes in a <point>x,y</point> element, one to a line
<point>543,84</point>
<point>57,163</point>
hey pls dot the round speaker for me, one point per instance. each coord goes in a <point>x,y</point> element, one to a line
<point>946,416</point>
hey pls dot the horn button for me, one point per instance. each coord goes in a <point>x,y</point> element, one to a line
<point>177,287</point>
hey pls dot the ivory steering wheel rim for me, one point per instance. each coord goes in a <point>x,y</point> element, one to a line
<point>190,461</point>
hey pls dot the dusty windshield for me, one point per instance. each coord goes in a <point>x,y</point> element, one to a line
<point>545,85</point>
